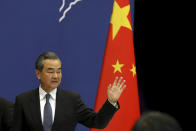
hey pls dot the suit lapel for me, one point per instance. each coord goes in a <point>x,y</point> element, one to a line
<point>59,109</point>
<point>35,108</point>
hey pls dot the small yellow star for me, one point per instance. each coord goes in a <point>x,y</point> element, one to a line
<point>119,18</point>
<point>117,67</point>
<point>133,70</point>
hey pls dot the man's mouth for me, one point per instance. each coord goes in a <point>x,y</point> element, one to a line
<point>54,81</point>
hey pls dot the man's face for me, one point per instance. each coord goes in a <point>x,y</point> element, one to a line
<point>50,76</point>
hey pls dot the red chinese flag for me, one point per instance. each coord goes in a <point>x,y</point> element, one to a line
<point>119,60</point>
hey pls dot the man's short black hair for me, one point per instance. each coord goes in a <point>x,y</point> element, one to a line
<point>40,60</point>
<point>156,121</point>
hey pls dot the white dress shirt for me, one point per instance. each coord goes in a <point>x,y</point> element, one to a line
<point>52,100</point>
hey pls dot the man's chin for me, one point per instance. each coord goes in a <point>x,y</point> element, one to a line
<point>53,86</point>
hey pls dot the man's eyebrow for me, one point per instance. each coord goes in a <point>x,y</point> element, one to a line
<point>50,68</point>
<point>54,69</point>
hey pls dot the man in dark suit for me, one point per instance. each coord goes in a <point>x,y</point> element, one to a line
<point>49,108</point>
<point>6,115</point>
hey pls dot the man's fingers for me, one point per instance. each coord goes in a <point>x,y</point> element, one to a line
<point>118,84</point>
<point>122,89</point>
<point>121,85</point>
<point>115,81</point>
<point>110,86</point>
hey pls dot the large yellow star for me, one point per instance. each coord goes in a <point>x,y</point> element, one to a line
<point>117,67</point>
<point>119,18</point>
<point>133,70</point>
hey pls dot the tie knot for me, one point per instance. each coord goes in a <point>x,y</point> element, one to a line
<point>47,97</point>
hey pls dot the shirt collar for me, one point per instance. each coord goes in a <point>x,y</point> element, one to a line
<point>42,93</point>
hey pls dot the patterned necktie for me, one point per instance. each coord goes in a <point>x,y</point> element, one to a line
<point>47,123</point>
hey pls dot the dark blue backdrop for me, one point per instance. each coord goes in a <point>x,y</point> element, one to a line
<point>31,27</point>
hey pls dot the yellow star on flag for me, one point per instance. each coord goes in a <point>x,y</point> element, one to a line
<point>133,70</point>
<point>117,67</point>
<point>119,18</point>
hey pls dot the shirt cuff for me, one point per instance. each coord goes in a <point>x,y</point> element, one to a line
<point>114,104</point>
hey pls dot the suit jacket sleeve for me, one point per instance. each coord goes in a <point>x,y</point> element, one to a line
<point>91,119</point>
<point>18,118</point>
<point>6,115</point>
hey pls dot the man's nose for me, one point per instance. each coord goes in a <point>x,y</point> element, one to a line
<point>55,75</point>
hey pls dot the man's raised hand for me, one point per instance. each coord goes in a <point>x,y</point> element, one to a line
<point>115,90</point>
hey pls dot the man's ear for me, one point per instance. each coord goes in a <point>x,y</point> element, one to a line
<point>37,72</point>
